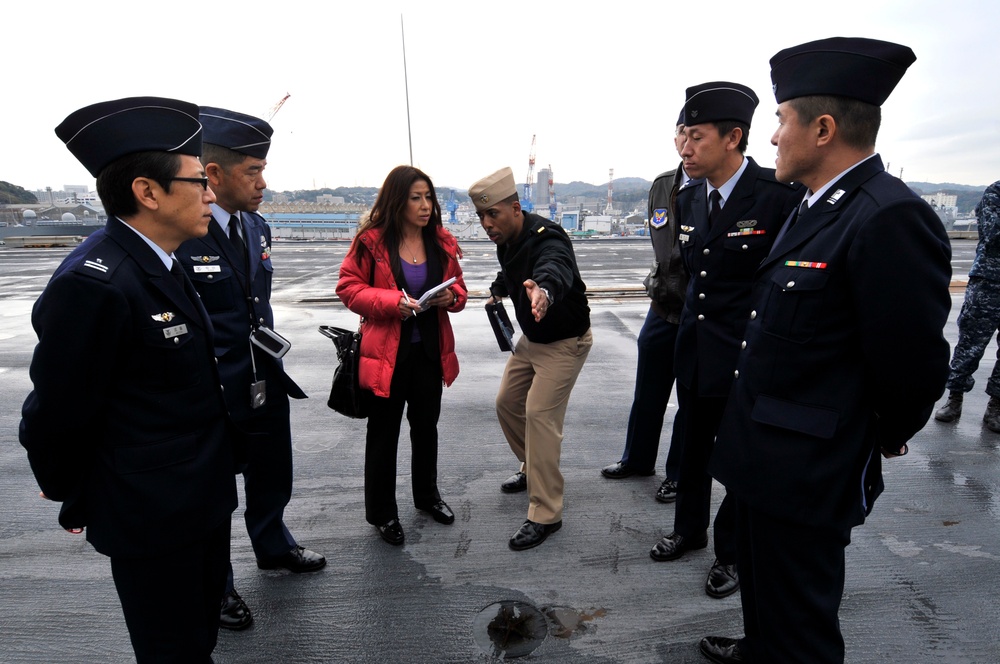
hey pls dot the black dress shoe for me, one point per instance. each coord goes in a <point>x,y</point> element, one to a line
<point>722,580</point>
<point>391,532</point>
<point>721,650</point>
<point>531,534</point>
<point>667,493</point>
<point>619,471</point>
<point>515,483</point>
<point>297,560</point>
<point>440,512</point>
<point>235,614</point>
<point>673,546</point>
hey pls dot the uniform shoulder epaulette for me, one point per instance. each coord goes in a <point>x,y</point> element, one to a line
<point>101,261</point>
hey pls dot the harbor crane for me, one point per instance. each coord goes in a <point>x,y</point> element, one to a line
<point>277,107</point>
<point>451,206</point>
<point>528,204</point>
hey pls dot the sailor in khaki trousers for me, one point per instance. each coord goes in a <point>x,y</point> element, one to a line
<point>540,276</point>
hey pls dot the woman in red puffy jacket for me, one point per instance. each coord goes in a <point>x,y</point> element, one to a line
<point>407,351</point>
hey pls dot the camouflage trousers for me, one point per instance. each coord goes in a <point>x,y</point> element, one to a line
<point>978,321</point>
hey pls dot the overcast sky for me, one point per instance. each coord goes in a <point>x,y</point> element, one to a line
<point>599,84</point>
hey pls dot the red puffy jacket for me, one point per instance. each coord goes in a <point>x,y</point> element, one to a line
<point>378,304</point>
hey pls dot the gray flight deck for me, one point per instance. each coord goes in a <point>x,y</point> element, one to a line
<point>923,575</point>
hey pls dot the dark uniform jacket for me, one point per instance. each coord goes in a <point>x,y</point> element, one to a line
<point>543,252</point>
<point>233,295</point>
<point>126,425</point>
<point>844,352</point>
<point>721,261</point>
<point>667,280</point>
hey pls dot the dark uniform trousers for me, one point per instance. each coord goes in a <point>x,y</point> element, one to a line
<point>977,323</point>
<point>654,377</point>
<point>198,571</point>
<point>702,416</point>
<point>791,581</point>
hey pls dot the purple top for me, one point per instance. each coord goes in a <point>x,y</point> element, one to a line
<point>416,277</point>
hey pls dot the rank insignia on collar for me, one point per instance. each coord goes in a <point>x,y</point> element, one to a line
<point>263,241</point>
<point>835,196</point>
<point>204,259</point>
<point>165,317</point>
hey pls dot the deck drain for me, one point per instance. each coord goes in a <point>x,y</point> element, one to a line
<point>509,629</point>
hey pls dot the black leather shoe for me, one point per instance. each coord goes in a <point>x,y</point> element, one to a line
<point>674,546</point>
<point>721,650</point>
<point>515,483</point>
<point>667,493</point>
<point>297,560</point>
<point>619,471</point>
<point>391,532</point>
<point>440,512</point>
<point>235,614</point>
<point>531,534</point>
<point>722,580</point>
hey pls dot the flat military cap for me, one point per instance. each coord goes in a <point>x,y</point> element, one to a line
<point>680,117</point>
<point>719,101</point>
<point>101,133</point>
<point>492,189</point>
<point>238,132</point>
<point>854,67</point>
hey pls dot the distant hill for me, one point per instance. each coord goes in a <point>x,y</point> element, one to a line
<point>11,193</point>
<point>968,196</point>
<point>629,193</point>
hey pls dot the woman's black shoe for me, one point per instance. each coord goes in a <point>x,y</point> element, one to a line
<point>391,532</point>
<point>440,512</point>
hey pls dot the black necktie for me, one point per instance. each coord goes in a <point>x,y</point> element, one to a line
<point>234,237</point>
<point>715,198</point>
<point>798,213</point>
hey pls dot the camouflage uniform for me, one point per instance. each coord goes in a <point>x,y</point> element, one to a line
<point>980,316</point>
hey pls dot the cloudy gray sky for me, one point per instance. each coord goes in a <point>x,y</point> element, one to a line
<point>599,84</point>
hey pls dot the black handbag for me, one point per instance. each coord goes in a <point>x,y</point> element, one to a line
<point>345,393</point>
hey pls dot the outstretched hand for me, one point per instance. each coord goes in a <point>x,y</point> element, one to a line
<point>539,300</point>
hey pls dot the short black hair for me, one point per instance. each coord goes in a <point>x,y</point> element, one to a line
<point>114,182</point>
<point>858,122</point>
<point>217,154</point>
<point>513,198</point>
<point>727,126</point>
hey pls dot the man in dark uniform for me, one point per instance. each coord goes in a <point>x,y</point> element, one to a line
<point>126,425</point>
<point>979,318</point>
<point>231,268</point>
<point>538,272</point>
<point>728,222</point>
<point>843,356</point>
<point>654,374</point>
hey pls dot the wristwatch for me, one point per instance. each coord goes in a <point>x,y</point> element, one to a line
<point>547,295</point>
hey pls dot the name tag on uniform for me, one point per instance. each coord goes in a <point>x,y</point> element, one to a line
<point>175,331</point>
<point>683,237</point>
<point>207,268</point>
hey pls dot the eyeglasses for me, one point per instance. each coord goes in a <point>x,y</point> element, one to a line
<point>202,181</point>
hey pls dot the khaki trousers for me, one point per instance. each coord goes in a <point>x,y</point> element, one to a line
<point>531,407</point>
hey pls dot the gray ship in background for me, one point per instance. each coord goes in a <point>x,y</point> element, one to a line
<point>61,222</point>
